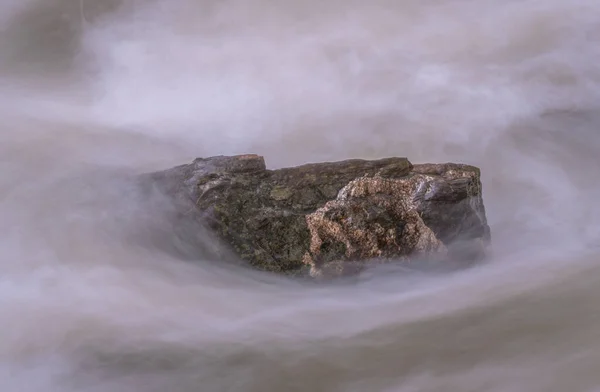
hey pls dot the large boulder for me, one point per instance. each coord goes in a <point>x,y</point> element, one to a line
<point>332,219</point>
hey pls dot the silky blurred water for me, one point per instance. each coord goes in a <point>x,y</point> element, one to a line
<point>99,293</point>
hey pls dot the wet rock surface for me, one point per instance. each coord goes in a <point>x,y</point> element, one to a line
<point>334,218</point>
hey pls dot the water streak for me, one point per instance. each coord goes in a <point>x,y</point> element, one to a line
<point>97,290</point>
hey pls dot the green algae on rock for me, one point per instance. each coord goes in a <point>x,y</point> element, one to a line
<point>333,218</point>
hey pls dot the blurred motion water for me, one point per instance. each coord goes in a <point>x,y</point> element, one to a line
<point>97,293</point>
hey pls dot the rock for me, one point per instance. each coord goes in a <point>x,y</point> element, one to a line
<point>332,219</point>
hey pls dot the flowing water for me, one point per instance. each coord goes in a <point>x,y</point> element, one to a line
<point>99,294</point>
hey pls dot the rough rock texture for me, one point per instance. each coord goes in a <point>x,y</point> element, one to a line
<point>331,219</point>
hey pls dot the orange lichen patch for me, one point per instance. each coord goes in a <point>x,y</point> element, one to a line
<point>372,218</point>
